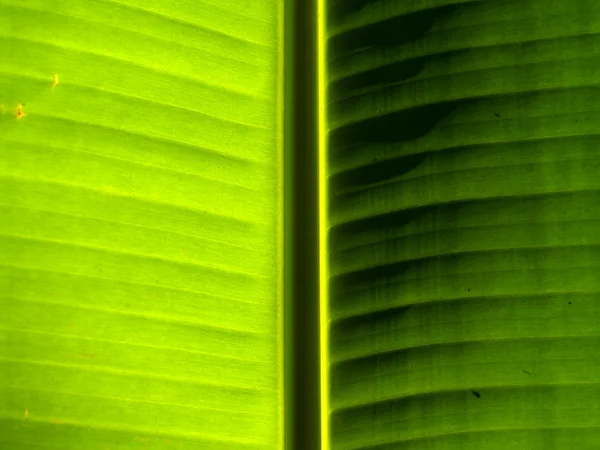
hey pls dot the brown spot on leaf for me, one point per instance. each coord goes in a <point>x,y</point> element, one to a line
<point>20,112</point>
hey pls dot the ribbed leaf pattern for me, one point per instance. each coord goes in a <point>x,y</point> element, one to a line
<point>464,231</point>
<point>139,224</point>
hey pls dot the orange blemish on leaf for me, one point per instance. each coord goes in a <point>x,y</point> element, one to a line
<point>20,112</point>
<point>56,80</point>
<point>57,421</point>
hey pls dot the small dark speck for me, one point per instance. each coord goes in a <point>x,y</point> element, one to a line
<point>374,159</point>
<point>469,290</point>
<point>476,394</point>
<point>497,115</point>
<point>528,373</point>
<point>570,303</point>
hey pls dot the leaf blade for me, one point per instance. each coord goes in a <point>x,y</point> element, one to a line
<point>140,242</point>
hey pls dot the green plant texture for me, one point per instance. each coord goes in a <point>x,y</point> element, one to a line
<point>464,251</point>
<point>176,176</point>
<point>140,197</point>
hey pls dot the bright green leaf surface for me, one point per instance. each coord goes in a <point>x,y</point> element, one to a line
<point>464,163</point>
<point>139,224</point>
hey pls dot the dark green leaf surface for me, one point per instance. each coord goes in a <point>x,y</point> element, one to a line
<point>139,230</point>
<point>464,242</point>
